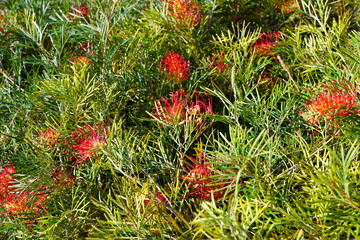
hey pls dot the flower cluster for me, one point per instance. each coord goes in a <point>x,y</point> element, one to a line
<point>266,43</point>
<point>6,181</point>
<point>157,197</point>
<point>333,100</point>
<point>79,10</point>
<point>48,138</point>
<point>87,141</point>
<point>2,21</point>
<point>180,109</point>
<point>16,200</point>
<point>175,67</point>
<point>202,182</point>
<point>218,62</point>
<point>188,12</point>
<point>82,54</point>
<point>287,6</point>
<point>63,178</point>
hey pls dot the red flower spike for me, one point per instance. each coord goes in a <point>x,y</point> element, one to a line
<point>330,102</point>
<point>82,54</point>
<point>188,12</point>
<point>82,9</point>
<point>19,201</point>
<point>2,21</point>
<point>179,109</point>
<point>217,62</point>
<point>48,137</point>
<point>86,141</point>
<point>175,67</point>
<point>201,183</point>
<point>267,41</point>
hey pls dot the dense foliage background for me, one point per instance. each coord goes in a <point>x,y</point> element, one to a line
<point>179,119</point>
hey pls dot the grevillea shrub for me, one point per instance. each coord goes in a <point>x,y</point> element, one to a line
<point>86,141</point>
<point>182,108</point>
<point>174,67</point>
<point>330,102</point>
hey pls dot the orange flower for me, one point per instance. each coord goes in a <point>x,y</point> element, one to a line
<point>82,54</point>
<point>334,100</point>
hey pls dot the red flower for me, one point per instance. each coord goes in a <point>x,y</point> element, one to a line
<point>82,54</point>
<point>86,141</point>
<point>175,67</point>
<point>188,12</point>
<point>82,9</point>
<point>202,182</point>
<point>334,99</point>
<point>6,181</point>
<point>63,178</point>
<point>25,202</point>
<point>287,6</point>
<point>2,21</point>
<point>180,109</point>
<point>16,200</point>
<point>217,62</point>
<point>265,44</point>
<point>48,137</point>
<point>157,197</point>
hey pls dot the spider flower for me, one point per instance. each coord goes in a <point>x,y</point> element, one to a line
<point>287,6</point>
<point>87,141</point>
<point>333,100</point>
<point>181,108</point>
<point>2,21</point>
<point>218,62</point>
<point>175,67</point>
<point>201,181</point>
<point>265,44</point>
<point>48,138</point>
<point>83,54</point>
<point>188,12</point>
<point>79,10</point>
<point>30,202</point>
<point>16,200</point>
<point>6,180</point>
<point>63,178</point>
